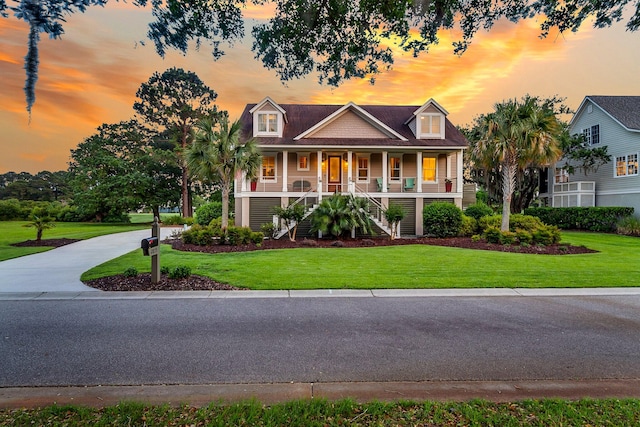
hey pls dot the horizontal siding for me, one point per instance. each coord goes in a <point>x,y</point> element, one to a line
<point>261,211</point>
<point>348,124</point>
<point>408,224</point>
<point>619,142</point>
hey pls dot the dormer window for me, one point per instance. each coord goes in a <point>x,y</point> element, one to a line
<point>267,123</point>
<point>268,118</point>
<point>431,126</point>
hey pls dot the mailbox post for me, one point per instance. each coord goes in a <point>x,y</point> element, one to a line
<point>151,247</point>
<point>155,258</point>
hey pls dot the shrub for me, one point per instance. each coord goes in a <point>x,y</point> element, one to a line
<point>476,238</point>
<point>256,237</point>
<point>11,210</point>
<point>598,218</point>
<point>489,222</point>
<point>525,222</point>
<point>208,212</point>
<point>269,229</point>
<point>482,196</point>
<point>164,269</point>
<point>238,235</point>
<point>339,214</point>
<point>177,220</point>
<point>130,272</point>
<point>468,227</point>
<point>198,235</point>
<point>524,236</point>
<point>492,234</point>
<point>180,272</point>
<point>442,219</point>
<point>507,237</point>
<point>394,214</point>
<point>546,236</point>
<point>478,210</point>
<point>629,226</point>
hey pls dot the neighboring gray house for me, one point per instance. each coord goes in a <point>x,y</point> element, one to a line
<point>613,121</point>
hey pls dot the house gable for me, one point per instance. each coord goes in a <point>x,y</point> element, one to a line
<point>352,122</point>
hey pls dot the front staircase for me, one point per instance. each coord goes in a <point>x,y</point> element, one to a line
<point>376,214</point>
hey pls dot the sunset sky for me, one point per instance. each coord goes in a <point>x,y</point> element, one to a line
<point>91,75</point>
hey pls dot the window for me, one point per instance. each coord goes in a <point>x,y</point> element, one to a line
<point>394,168</point>
<point>430,125</point>
<point>429,169</point>
<point>268,168</point>
<point>560,176</point>
<point>303,161</point>
<point>592,135</point>
<point>267,123</point>
<point>627,165</point>
<point>363,169</point>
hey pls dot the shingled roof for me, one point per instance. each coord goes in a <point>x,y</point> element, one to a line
<point>301,117</point>
<point>624,109</point>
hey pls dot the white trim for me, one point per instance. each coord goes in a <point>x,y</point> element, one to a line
<point>357,162</point>
<point>579,112</point>
<point>395,156</point>
<point>275,169</point>
<point>428,156</point>
<point>306,154</point>
<point>256,122</point>
<point>362,147</point>
<point>360,112</point>
<point>267,100</point>
<point>424,106</point>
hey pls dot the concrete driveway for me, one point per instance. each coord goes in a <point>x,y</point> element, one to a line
<point>59,270</point>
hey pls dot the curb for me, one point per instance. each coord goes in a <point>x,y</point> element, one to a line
<point>203,395</point>
<point>323,293</point>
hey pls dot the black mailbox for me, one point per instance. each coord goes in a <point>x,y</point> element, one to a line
<point>149,242</point>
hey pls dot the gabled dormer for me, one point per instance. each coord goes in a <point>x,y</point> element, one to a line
<point>268,118</point>
<point>428,121</point>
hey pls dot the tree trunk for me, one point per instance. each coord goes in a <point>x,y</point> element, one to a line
<point>38,234</point>
<point>508,182</point>
<point>225,206</point>
<point>186,199</point>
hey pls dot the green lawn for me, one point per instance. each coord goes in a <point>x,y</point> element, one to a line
<point>319,412</point>
<point>147,218</point>
<point>414,266</point>
<point>15,232</point>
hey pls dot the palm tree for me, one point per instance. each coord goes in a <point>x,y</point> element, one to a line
<point>40,223</point>
<point>217,156</point>
<point>515,136</point>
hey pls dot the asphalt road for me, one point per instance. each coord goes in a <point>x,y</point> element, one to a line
<point>280,340</point>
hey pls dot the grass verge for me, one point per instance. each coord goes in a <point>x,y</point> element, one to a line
<point>611,412</point>
<point>15,232</point>
<point>414,266</point>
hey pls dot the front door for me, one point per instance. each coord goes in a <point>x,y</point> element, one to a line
<point>335,173</point>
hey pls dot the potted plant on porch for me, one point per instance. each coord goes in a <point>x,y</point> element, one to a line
<point>448,185</point>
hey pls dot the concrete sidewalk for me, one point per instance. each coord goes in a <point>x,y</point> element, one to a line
<point>59,270</point>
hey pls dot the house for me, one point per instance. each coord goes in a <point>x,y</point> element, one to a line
<point>409,155</point>
<point>612,121</point>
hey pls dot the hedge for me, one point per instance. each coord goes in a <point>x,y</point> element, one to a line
<point>601,218</point>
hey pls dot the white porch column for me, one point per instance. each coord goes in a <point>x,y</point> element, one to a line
<point>319,169</point>
<point>285,169</point>
<point>419,172</point>
<point>459,171</point>
<point>351,188</point>
<point>385,162</point>
<point>243,183</point>
<point>448,175</point>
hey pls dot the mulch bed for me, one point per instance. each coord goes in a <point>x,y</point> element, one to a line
<point>142,282</point>
<point>56,243</point>
<point>459,242</point>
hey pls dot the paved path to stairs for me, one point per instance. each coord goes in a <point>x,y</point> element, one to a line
<point>59,270</point>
